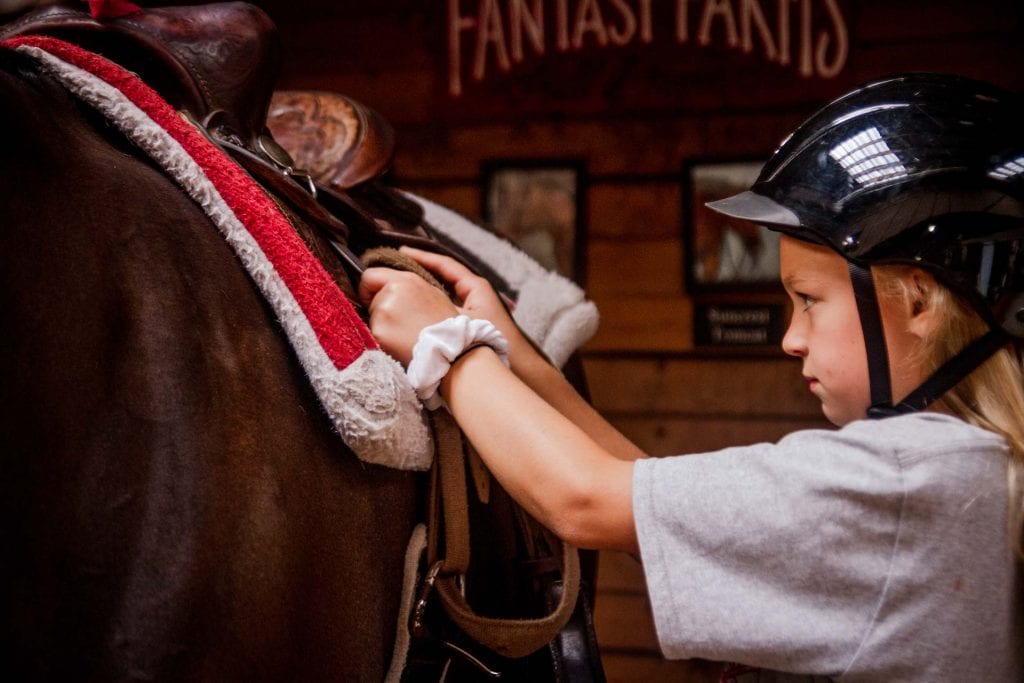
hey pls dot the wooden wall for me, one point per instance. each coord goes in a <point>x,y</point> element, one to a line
<point>633,118</point>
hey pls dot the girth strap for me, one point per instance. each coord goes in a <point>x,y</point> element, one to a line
<point>448,500</point>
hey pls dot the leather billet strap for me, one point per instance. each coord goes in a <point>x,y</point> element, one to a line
<point>449,510</point>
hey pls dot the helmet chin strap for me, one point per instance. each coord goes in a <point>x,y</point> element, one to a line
<point>874,341</point>
<point>941,381</point>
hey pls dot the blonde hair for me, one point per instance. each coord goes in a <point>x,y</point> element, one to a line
<point>991,397</point>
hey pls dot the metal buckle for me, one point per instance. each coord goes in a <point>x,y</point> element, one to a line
<point>471,659</point>
<point>418,626</point>
<point>283,160</point>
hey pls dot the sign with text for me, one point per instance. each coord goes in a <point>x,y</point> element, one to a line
<point>738,324</point>
<point>493,36</point>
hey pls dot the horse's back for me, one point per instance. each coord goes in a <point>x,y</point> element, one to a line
<point>176,504</point>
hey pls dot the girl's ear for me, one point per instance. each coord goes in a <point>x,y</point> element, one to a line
<point>921,286</point>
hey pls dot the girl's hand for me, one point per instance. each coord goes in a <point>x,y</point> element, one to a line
<point>479,300</point>
<point>401,304</point>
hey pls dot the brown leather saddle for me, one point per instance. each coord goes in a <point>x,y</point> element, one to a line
<point>217,65</point>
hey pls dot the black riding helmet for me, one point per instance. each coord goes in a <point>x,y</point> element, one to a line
<point>921,169</point>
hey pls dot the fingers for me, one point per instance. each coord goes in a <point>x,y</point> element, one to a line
<point>455,274</point>
<point>398,290</point>
<point>445,267</point>
<point>400,305</point>
<point>380,283</point>
<point>372,281</point>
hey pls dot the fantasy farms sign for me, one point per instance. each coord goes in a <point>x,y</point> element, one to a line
<point>485,36</point>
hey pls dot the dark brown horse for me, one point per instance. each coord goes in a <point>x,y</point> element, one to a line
<point>176,503</point>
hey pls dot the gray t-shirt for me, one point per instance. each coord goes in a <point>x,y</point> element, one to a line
<point>880,551</point>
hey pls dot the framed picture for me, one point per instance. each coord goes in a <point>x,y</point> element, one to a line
<point>724,253</point>
<point>538,205</point>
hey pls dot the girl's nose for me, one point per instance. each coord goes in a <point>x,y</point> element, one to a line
<point>794,342</point>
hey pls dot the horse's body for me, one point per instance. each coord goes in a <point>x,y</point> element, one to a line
<point>175,502</point>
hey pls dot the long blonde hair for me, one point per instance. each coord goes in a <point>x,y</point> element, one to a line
<point>991,397</point>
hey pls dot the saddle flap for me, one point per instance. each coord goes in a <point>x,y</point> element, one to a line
<point>216,62</point>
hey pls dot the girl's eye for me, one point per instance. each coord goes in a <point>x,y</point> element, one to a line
<point>806,300</point>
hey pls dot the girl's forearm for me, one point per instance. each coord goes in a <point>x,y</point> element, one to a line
<point>548,383</point>
<point>554,468</point>
<point>552,386</point>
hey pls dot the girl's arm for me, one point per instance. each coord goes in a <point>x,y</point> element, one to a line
<point>560,472</point>
<point>555,470</point>
<point>480,301</point>
<point>548,383</point>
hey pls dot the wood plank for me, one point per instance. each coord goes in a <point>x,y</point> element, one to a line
<point>396,94</point>
<point>645,210</point>
<point>981,59</point>
<point>883,20</point>
<point>654,146</point>
<point>358,42</point>
<point>641,268</point>
<point>631,668</point>
<point>463,198</point>
<point>660,436</point>
<point>751,387</point>
<point>619,573</point>
<point>624,622</point>
<point>750,134</point>
<point>643,323</point>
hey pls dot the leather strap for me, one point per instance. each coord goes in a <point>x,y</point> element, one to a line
<point>448,501</point>
<point>340,219</point>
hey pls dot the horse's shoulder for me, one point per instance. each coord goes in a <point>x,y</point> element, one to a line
<point>20,84</point>
<point>37,117</point>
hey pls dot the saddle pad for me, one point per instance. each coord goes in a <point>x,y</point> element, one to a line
<point>364,391</point>
<point>551,309</point>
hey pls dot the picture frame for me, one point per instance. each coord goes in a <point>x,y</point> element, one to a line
<point>539,206</point>
<point>724,254</point>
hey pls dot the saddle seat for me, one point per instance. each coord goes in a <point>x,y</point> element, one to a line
<point>218,63</point>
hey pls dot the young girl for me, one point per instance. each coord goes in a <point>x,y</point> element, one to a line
<point>880,551</point>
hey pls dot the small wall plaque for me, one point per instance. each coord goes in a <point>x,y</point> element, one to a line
<point>738,324</point>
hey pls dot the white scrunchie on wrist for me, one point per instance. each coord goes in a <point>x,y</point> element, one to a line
<point>440,344</point>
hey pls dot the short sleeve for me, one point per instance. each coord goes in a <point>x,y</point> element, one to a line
<point>774,555</point>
